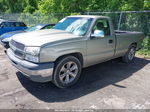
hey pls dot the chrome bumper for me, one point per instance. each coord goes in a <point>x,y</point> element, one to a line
<point>36,72</point>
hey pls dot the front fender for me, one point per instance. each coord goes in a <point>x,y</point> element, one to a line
<point>53,52</point>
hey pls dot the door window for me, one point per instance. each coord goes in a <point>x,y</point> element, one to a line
<point>20,24</point>
<point>8,24</point>
<point>102,24</point>
<point>17,24</point>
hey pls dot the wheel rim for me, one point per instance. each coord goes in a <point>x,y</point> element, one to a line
<point>68,72</point>
<point>131,54</point>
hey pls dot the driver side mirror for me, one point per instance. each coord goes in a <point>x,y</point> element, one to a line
<point>98,33</point>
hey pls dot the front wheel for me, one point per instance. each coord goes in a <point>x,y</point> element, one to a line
<point>129,56</point>
<point>67,72</point>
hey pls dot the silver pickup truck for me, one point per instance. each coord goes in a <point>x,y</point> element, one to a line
<point>76,42</point>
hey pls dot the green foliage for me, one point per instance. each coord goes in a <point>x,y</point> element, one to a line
<point>49,6</point>
<point>71,6</point>
<point>29,9</point>
<point>11,6</point>
<point>131,5</point>
<point>146,48</point>
<point>31,6</point>
<point>146,43</point>
<point>18,6</point>
<point>74,5</point>
<point>146,5</point>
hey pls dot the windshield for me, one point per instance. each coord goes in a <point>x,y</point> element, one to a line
<point>38,27</point>
<point>75,25</point>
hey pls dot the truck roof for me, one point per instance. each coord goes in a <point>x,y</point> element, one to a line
<point>89,16</point>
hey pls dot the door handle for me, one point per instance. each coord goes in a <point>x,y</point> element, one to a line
<point>111,41</point>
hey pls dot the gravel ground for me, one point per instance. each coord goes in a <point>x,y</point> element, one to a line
<point>109,85</point>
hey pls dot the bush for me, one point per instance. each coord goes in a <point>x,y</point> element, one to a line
<point>145,51</point>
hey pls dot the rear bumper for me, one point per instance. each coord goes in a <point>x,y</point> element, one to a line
<point>36,72</point>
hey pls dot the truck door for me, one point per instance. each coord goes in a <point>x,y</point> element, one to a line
<point>100,48</point>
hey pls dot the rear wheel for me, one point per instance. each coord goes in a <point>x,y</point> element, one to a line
<point>129,56</point>
<point>67,72</point>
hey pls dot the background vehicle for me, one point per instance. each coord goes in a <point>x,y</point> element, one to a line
<point>5,38</point>
<point>8,26</point>
<point>76,42</point>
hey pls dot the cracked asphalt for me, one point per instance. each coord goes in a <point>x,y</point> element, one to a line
<point>109,85</point>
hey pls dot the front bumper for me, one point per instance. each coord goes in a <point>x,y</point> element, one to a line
<point>4,44</point>
<point>36,72</point>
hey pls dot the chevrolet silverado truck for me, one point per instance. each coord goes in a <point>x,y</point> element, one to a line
<point>76,42</point>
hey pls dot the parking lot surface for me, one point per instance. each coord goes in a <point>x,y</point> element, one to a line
<point>109,85</point>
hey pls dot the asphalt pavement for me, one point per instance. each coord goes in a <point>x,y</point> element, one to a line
<point>109,85</point>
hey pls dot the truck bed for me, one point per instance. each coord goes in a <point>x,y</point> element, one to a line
<point>125,38</point>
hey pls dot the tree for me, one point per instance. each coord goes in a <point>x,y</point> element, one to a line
<point>132,5</point>
<point>59,6</point>
<point>31,6</point>
<point>12,6</point>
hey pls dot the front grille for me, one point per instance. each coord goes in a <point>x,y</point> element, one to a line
<point>17,45</point>
<point>17,48</point>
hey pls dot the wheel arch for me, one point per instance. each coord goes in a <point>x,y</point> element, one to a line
<point>78,55</point>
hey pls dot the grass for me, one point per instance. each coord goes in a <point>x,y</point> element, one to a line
<point>145,51</point>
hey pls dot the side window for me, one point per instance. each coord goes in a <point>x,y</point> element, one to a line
<point>48,27</point>
<point>3,25</point>
<point>18,24</point>
<point>102,24</point>
<point>21,24</point>
<point>11,24</point>
<point>7,24</point>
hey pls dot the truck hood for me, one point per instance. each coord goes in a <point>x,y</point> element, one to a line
<point>41,37</point>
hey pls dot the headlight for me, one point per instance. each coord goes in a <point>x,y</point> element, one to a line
<point>32,54</point>
<point>32,50</point>
<point>32,58</point>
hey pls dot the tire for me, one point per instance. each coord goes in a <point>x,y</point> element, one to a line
<point>129,56</point>
<point>67,72</point>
